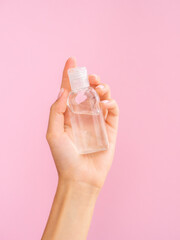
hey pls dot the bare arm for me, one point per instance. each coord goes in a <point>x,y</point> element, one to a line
<point>71,212</point>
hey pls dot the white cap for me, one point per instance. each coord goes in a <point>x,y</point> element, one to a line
<point>78,78</point>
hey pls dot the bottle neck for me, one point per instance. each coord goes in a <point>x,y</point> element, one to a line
<point>80,89</point>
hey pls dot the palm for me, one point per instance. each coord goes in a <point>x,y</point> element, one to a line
<point>87,167</point>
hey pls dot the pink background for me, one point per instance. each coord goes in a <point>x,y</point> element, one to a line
<point>134,45</point>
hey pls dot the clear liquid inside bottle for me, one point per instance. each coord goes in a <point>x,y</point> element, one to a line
<point>87,121</point>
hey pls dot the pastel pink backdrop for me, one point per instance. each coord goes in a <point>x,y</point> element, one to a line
<point>134,47</point>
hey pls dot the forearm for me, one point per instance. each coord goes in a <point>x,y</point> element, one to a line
<point>71,211</point>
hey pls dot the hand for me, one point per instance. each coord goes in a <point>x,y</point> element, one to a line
<point>91,168</point>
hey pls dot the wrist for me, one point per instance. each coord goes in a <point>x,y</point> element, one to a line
<point>79,189</point>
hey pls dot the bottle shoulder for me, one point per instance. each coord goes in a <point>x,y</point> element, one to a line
<point>83,100</point>
<point>89,91</point>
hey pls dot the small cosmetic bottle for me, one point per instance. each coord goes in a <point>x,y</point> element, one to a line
<point>87,120</point>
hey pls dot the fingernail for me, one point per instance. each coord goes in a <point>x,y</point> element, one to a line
<point>100,86</point>
<point>105,101</point>
<point>60,93</point>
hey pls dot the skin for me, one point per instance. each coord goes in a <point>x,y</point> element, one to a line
<point>80,177</point>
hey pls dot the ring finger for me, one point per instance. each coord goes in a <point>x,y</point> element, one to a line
<point>102,89</point>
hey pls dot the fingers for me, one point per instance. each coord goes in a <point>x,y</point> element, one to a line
<point>102,89</point>
<point>104,110</point>
<point>70,63</point>
<point>56,117</point>
<point>113,112</point>
<point>109,106</point>
<point>94,80</point>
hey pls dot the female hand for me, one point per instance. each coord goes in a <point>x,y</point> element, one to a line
<point>71,166</point>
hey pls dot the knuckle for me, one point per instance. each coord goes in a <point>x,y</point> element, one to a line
<point>117,107</point>
<point>52,108</point>
<point>108,90</point>
<point>50,137</point>
<point>107,86</point>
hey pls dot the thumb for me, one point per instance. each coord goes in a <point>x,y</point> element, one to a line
<point>56,117</point>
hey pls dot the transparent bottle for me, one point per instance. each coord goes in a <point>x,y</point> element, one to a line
<point>87,121</point>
